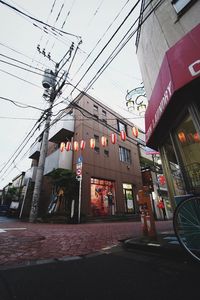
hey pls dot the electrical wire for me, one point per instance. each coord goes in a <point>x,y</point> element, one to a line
<point>21,146</point>
<point>68,14</point>
<point>54,29</point>
<point>8,73</point>
<point>75,87</point>
<point>108,42</point>
<point>83,119</point>
<point>25,69</point>
<point>21,62</point>
<point>18,52</point>
<point>22,68</point>
<point>90,53</point>
<point>20,104</point>
<point>72,103</point>
<point>113,54</point>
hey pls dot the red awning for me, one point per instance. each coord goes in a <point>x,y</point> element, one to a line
<point>181,65</point>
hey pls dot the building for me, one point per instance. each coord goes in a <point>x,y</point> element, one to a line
<point>169,56</point>
<point>12,194</point>
<point>95,144</point>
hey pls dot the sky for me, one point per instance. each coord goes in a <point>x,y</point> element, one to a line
<point>22,41</point>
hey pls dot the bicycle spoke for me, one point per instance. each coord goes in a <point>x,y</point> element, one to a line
<point>187,225</point>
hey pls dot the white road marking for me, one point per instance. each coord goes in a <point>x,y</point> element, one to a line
<point>10,229</point>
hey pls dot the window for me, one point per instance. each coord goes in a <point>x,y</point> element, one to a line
<point>95,116</point>
<point>179,5</point>
<point>121,126</point>
<point>106,152</point>
<point>124,155</point>
<point>97,150</point>
<point>189,147</point>
<point>104,113</point>
<point>95,107</point>
<point>96,137</point>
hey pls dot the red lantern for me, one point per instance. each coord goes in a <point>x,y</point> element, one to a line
<point>135,131</point>
<point>68,146</point>
<point>82,144</point>
<point>196,137</point>
<point>76,147</point>
<point>113,138</point>
<point>103,141</point>
<point>181,136</point>
<point>62,146</point>
<point>162,180</point>
<point>123,135</point>
<point>92,143</point>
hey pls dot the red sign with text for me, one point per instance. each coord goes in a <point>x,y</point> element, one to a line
<point>180,65</point>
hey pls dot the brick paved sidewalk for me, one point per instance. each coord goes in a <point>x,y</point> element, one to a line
<point>22,242</point>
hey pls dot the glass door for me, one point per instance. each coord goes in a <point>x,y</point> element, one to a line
<point>129,200</point>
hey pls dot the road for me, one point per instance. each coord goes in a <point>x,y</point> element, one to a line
<point>113,274</point>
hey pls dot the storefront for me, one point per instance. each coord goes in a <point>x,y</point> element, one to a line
<point>102,197</point>
<point>173,116</point>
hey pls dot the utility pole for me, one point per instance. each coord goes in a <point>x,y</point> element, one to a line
<point>49,83</point>
<point>41,163</point>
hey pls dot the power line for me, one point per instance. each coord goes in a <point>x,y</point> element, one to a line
<point>22,68</point>
<point>21,62</point>
<point>54,29</point>
<point>111,58</point>
<point>21,146</point>
<point>18,52</point>
<point>83,119</point>
<point>71,103</point>
<point>20,104</point>
<point>24,80</point>
<point>101,38</point>
<point>128,15</point>
<point>75,87</point>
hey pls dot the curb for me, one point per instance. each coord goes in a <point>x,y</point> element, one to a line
<point>154,247</point>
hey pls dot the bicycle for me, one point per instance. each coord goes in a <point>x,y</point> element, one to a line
<point>186,223</point>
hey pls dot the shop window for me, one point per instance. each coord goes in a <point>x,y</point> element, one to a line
<point>189,146</point>
<point>102,197</point>
<point>124,155</point>
<point>172,169</point>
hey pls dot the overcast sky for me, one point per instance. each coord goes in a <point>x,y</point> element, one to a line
<point>94,21</point>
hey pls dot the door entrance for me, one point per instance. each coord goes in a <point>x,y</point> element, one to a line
<point>129,199</point>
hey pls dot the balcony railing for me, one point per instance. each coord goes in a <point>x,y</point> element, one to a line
<point>31,173</point>
<point>34,152</point>
<point>58,160</point>
<point>62,129</point>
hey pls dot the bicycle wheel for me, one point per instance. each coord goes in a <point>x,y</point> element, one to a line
<point>186,223</point>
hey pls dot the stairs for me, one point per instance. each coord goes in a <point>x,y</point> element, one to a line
<point>115,218</point>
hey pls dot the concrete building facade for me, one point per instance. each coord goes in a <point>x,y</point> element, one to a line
<point>110,169</point>
<point>168,52</point>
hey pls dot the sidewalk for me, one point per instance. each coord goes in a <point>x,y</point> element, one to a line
<point>165,243</point>
<point>24,243</point>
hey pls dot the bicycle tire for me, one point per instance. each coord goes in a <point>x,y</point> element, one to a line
<point>186,222</point>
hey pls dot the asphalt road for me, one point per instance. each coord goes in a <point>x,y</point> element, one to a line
<point>113,274</point>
